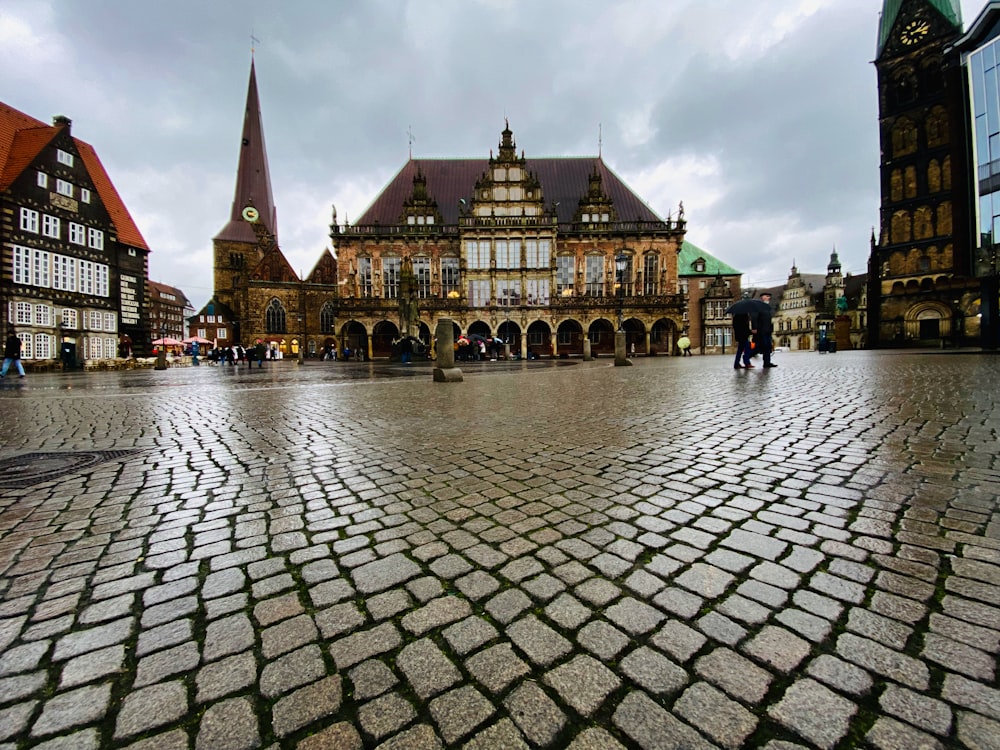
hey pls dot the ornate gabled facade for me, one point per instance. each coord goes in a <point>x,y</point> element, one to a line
<point>540,252</point>
<point>919,270</point>
<point>527,250</point>
<point>710,287</point>
<point>74,264</point>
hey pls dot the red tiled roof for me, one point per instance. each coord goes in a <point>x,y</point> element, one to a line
<point>22,138</point>
<point>564,181</point>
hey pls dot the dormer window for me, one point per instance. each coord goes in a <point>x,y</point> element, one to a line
<point>64,157</point>
<point>699,266</point>
<point>605,217</point>
<point>585,218</point>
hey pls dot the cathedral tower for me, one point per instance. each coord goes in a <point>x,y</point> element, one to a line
<point>918,263</point>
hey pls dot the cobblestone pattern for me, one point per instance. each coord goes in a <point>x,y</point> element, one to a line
<point>671,555</point>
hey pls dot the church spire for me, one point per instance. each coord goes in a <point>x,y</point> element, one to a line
<point>253,179</point>
<point>950,10</point>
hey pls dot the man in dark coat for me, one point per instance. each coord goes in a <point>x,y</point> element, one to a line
<point>12,353</point>
<point>761,327</point>
<point>741,331</point>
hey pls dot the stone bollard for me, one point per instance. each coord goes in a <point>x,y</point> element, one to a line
<point>587,356</point>
<point>445,370</point>
<point>621,359</point>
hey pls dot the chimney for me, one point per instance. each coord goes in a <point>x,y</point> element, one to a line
<point>61,121</point>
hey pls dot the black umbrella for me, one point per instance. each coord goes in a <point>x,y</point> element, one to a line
<point>747,307</point>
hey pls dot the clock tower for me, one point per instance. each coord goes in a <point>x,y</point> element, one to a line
<point>918,264</point>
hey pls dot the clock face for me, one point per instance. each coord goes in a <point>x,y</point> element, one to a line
<point>914,31</point>
<point>251,214</point>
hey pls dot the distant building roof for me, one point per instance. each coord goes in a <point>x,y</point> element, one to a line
<point>564,181</point>
<point>22,139</point>
<point>161,289</point>
<point>689,256</point>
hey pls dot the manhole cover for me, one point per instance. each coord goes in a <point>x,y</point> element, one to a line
<point>20,472</point>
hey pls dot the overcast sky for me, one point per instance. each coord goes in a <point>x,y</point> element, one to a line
<point>760,116</point>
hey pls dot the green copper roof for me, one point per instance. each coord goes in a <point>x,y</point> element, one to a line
<point>950,9</point>
<point>713,266</point>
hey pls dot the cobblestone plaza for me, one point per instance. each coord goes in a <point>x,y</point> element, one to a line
<point>553,555</point>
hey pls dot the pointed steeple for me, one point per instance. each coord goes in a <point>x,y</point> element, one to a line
<point>253,179</point>
<point>950,10</point>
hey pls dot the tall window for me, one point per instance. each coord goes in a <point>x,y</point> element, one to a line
<point>365,277</point>
<point>22,313</point>
<point>69,318</point>
<point>43,180</point>
<point>95,238</point>
<point>479,293</point>
<point>651,274</point>
<point>40,268</point>
<point>565,271</point>
<point>43,315</point>
<point>538,291</point>
<point>508,292</point>
<point>50,226</point>
<point>21,257</point>
<point>27,350</point>
<point>478,254</point>
<point>504,255</point>
<point>86,277</point>
<point>595,275</point>
<point>449,275</point>
<point>29,220</point>
<point>84,195</point>
<point>538,253</point>
<point>43,346</point>
<point>274,318</point>
<point>422,275</point>
<point>326,318</point>
<point>390,278</point>
<point>77,233</point>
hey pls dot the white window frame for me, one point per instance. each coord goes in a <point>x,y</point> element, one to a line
<point>43,179</point>
<point>477,253</point>
<point>77,234</point>
<point>95,238</point>
<point>70,318</point>
<point>101,281</point>
<point>21,261</point>
<point>43,346</point>
<point>84,195</point>
<point>64,157</point>
<point>43,315</point>
<point>539,253</point>
<point>479,292</point>
<point>109,322</point>
<point>22,313</point>
<point>64,188</point>
<point>41,261</point>
<point>86,276</point>
<point>51,226</point>
<point>29,220</point>
<point>27,345</point>
<point>537,291</point>
<point>95,321</point>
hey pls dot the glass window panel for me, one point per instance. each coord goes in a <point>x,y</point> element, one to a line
<point>992,115</point>
<point>390,278</point>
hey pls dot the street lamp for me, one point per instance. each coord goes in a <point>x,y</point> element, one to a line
<point>161,357</point>
<point>621,265</point>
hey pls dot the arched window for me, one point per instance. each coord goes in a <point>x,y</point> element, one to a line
<point>937,127</point>
<point>274,318</point>
<point>944,219</point>
<point>923,225</point>
<point>326,318</point>
<point>904,137</point>
<point>934,176</point>
<point>901,227</point>
<point>910,180</point>
<point>896,185</point>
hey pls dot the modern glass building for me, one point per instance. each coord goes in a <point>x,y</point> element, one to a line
<point>979,53</point>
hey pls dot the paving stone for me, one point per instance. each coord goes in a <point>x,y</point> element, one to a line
<point>567,611</point>
<point>963,692</point>
<point>977,731</point>
<point>652,726</point>
<point>735,674</point>
<point>420,737</point>
<point>889,734</point>
<point>544,587</point>
<point>92,639</point>
<point>425,588</point>
<point>287,636</point>
<point>840,674</point>
<point>497,667</point>
<point>602,640</point>
<point>477,585</point>
<point>507,605</point>
<point>93,666</point>
<point>921,711</point>
<point>306,705</point>
<point>151,707</point>
<point>330,592</point>
<point>442,611</point>
<point>538,641</point>
<point>722,629</point>
<point>229,725</point>
<point>754,544</point>
<point>72,709</point>
<point>777,647</point>
<point>230,635</point>
<point>678,640</point>
<point>14,719</point>
<point>535,713</point>
<point>583,683</point>
<point>722,719</point>
<point>339,619</point>
<point>371,678</point>
<point>884,661</point>
<point>469,634</point>
<point>85,739</point>
<point>339,736</point>
<point>291,671</point>
<point>653,672</point>
<point>459,711</point>
<point>157,667</point>
<point>223,583</point>
<point>385,715</point>
<point>502,734</point>
<point>427,668</point>
<point>365,644</point>
<point>230,675</point>
<point>380,575</point>
<point>279,608</point>
<point>595,739</point>
<point>679,602</point>
<point>814,712</point>
<point>958,657</point>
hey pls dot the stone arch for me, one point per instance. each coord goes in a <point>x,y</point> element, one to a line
<point>510,333</point>
<point>934,176</point>
<point>663,337</point>
<point>539,339</point>
<point>480,328</point>
<point>913,261</point>
<point>383,334</point>
<point>354,336</point>
<point>635,333</point>
<point>569,337</point>
<point>327,317</point>
<point>601,333</point>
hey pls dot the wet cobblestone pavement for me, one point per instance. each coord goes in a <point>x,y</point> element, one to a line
<point>671,555</point>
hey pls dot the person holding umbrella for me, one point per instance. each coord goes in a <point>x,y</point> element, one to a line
<point>743,312</point>
<point>761,327</point>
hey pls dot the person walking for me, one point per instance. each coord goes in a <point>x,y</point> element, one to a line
<point>684,344</point>
<point>12,353</point>
<point>741,332</point>
<point>259,352</point>
<point>762,327</point>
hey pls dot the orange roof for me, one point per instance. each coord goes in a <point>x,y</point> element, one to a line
<point>22,138</point>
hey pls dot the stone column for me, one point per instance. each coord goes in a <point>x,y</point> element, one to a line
<point>587,357</point>
<point>445,370</point>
